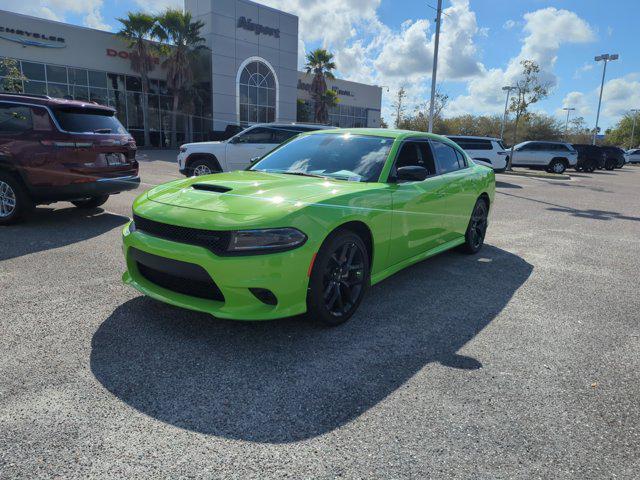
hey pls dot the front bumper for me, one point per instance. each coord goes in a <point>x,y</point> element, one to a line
<point>284,274</point>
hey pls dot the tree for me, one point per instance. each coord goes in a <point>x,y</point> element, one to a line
<point>138,29</point>
<point>178,28</point>
<point>419,121</point>
<point>620,134</point>
<point>13,76</point>
<point>320,63</point>
<point>383,123</point>
<point>302,111</point>
<point>398,106</point>
<point>579,132</point>
<point>530,90</point>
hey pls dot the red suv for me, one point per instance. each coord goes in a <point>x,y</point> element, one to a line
<point>61,150</point>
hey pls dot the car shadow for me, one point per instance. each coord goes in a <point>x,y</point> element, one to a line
<point>594,214</point>
<point>46,229</point>
<point>500,184</point>
<point>290,380</point>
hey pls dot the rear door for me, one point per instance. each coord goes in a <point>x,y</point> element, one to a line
<point>25,142</point>
<point>417,225</point>
<point>458,192</point>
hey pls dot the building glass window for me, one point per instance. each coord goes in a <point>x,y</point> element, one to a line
<point>33,71</point>
<point>258,93</point>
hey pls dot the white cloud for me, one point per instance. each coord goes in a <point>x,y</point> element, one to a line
<point>155,6</point>
<point>577,100</point>
<point>620,95</point>
<point>584,68</point>
<point>546,31</point>
<point>509,24</point>
<point>57,10</point>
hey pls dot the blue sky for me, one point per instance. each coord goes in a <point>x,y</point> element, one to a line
<point>389,42</point>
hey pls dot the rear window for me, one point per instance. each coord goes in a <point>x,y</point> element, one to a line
<point>472,143</point>
<point>81,120</point>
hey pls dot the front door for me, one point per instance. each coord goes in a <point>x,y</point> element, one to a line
<point>254,142</point>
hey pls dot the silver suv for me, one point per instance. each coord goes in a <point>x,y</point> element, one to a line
<point>554,157</point>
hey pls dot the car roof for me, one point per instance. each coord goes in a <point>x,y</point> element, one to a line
<point>47,101</point>
<point>292,124</point>
<point>473,137</point>
<point>383,132</point>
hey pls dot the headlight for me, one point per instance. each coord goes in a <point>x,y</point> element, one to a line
<point>268,240</point>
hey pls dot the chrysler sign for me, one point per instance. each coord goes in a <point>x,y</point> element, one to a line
<point>246,24</point>
<point>31,39</point>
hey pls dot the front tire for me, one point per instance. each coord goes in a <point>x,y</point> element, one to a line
<point>14,200</point>
<point>91,202</point>
<point>477,228</point>
<point>610,164</point>
<point>202,167</point>
<point>339,279</point>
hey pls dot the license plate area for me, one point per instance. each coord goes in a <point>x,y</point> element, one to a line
<point>115,159</point>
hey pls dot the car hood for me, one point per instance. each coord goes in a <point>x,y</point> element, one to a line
<point>248,192</point>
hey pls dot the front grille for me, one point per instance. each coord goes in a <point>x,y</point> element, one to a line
<point>180,277</point>
<point>216,241</point>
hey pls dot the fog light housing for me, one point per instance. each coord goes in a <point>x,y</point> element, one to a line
<point>265,296</point>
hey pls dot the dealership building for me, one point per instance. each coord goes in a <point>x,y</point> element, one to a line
<point>247,74</point>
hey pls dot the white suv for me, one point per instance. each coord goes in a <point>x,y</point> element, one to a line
<point>487,151</point>
<point>633,156</point>
<point>236,153</point>
<point>554,157</point>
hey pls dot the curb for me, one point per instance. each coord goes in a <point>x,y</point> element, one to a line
<point>534,174</point>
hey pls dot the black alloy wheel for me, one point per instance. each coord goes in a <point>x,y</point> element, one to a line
<point>477,229</point>
<point>339,279</point>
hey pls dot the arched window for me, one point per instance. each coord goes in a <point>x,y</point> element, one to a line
<point>258,92</point>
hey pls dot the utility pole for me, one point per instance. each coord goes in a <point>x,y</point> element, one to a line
<point>566,124</point>
<point>634,111</point>
<point>507,89</point>
<point>435,66</point>
<point>606,58</point>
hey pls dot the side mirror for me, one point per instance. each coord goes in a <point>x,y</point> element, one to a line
<point>412,173</point>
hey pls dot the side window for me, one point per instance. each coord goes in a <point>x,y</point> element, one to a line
<point>446,157</point>
<point>283,134</point>
<point>15,119</point>
<point>257,135</point>
<point>462,161</point>
<point>416,154</point>
<point>41,120</point>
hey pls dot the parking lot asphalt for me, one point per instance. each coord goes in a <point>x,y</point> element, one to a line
<point>520,362</point>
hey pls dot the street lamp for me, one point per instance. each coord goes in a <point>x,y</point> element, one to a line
<point>507,89</point>
<point>606,58</point>
<point>566,124</point>
<point>634,111</point>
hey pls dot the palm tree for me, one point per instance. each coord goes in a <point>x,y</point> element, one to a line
<point>138,29</point>
<point>178,28</point>
<point>320,63</point>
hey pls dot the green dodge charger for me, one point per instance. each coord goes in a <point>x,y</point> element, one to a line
<point>309,227</point>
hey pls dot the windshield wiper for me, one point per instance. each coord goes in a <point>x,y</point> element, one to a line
<point>302,174</point>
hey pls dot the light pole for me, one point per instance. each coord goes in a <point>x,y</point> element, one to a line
<point>606,58</point>
<point>634,111</point>
<point>435,66</point>
<point>507,89</point>
<point>566,124</point>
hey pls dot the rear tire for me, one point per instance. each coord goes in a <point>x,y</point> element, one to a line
<point>339,279</point>
<point>610,164</point>
<point>477,229</point>
<point>14,199</point>
<point>557,166</point>
<point>91,202</point>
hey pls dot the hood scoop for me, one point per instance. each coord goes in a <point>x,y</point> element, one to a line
<point>210,188</point>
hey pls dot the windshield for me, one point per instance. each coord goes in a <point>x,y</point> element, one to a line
<point>78,120</point>
<point>357,158</point>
